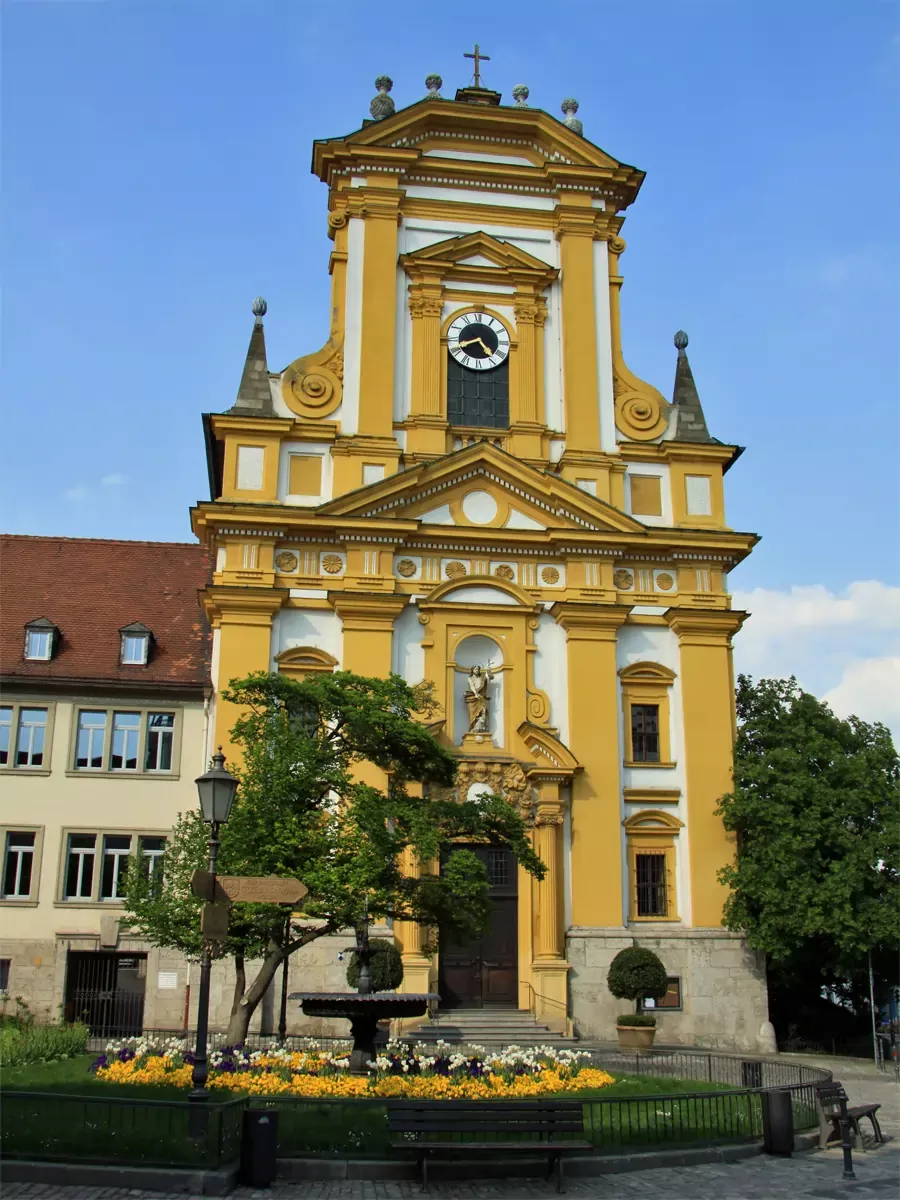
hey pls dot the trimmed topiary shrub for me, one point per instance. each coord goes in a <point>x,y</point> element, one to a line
<point>386,966</point>
<point>636,973</point>
<point>641,1019</point>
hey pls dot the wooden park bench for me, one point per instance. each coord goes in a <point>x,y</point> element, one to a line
<point>439,1127</point>
<point>828,1106</point>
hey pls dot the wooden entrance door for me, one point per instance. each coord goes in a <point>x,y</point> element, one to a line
<point>485,971</point>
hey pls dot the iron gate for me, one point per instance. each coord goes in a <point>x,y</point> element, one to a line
<point>106,992</point>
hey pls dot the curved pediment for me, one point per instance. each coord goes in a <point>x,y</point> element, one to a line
<point>474,589</point>
<point>547,749</point>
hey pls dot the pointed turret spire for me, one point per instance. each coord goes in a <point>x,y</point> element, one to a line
<point>690,423</point>
<point>254,395</point>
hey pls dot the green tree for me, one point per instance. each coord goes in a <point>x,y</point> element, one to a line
<point>815,811</point>
<point>302,811</point>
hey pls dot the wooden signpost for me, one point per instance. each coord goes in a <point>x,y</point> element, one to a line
<point>246,889</point>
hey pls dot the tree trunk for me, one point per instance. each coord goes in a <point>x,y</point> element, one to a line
<point>240,981</point>
<point>247,1003</point>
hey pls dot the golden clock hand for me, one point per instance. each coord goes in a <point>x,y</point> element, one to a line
<point>472,341</point>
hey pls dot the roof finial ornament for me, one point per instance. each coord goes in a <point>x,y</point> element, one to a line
<point>434,83</point>
<point>570,108</point>
<point>479,59</point>
<point>681,342</point>
<point>520,95</point>
<point>259,309</point>
<point>382,105</point>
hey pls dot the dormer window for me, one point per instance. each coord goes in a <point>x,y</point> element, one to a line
<point>41,637</point>
<point>135,645</point>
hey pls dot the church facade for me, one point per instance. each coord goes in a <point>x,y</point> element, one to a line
<point>466,484</point>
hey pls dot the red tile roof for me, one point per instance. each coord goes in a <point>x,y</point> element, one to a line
<point>90,589</point>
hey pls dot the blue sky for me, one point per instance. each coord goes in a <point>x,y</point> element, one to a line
<point>156,178</point>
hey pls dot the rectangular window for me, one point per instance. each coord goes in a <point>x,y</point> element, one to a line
<point>90,741</point>
<point>646,495</point>
<point>80,854</point>
<point>672,998</point>
<point>645,733</point>
<point>4,974</point>
<point>152,851</point>
<point>18,864</point>
<point>32,734</point>
<point>160,735</point>
<point>5,733</point>
<point>250,461</point>
<point>39,644</point>
<point>698,495</point>
<point>126,732</point>
<point>498,867</point>
<point>116,848</point>
<point>134,649</point>
<point>652,900</point>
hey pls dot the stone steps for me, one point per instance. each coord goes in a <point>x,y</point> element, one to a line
<point>490,1027</point>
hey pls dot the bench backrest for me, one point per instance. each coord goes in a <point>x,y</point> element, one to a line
<point>480,1116</point>
<point>829,1097</point>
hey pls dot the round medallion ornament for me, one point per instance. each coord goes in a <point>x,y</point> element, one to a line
<point>550,575</point>
<point>455,569</point>
<point>665,582</point>
<point>406,567</point>
<point>286,561</point>
<point>332,563</point>
<point>504,571</point>
<point>623,580</point>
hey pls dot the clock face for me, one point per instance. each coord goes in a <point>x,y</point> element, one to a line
<point>478,341</point>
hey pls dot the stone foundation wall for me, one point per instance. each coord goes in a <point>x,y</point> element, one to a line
<point>723,986</point>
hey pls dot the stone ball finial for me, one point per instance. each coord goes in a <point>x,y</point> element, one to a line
<point>570,108</point>
<point>434,83</point>
<point>681,341</point>
<point>520,95</point>
<point>382,105</point>
<point>259,308</point>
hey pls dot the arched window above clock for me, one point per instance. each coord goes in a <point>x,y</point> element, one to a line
<point>478,345</point>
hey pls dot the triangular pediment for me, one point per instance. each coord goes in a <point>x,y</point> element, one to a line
<point>478,248</point>
<point>483,487</point>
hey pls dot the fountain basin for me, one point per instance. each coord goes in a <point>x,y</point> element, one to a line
<point>364,1012</point>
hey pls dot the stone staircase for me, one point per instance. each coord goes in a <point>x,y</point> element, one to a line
<point>489,1027</point>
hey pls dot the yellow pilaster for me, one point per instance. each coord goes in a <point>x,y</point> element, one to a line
<point>426,422</point>
<point>242,623</point>
<point>707,701</point>
<point>417,968</point>
<point>575,231</point>
<point>381,205</point>
<point>527,393</point>
<point>596,864</point>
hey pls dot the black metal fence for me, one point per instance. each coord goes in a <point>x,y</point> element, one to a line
<point>55,1127</point>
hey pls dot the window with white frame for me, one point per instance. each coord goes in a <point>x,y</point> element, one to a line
<point>6,719</point>
<point>96,863</point>
<point>118,741</point>
<point>135,645</point>
<point>32,736</point>
<point>38,644</point>
<point>18,864</point>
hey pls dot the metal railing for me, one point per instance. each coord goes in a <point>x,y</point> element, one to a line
<point>56,1127</point>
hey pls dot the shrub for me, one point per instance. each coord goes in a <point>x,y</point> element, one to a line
<point>636,973</point>
<point>21,1016</point>
<point>41,1043</point>
<point>641,1019</point>
<point>385,965</point>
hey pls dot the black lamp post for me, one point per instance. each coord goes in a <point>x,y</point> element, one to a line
<point>216,790</point>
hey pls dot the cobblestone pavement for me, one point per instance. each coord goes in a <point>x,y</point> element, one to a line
<point>812,1176</point>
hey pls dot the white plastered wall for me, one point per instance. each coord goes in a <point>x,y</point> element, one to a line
<point>551,671</point>
<point>349,411</point>
<point>604,349</point>
<point>307,627</point>
<point>651,643</point>
<point>407,655</point>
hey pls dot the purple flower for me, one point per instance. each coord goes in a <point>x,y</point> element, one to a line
<point>98,1064</point>
<point>126,1054</point>
<point>227,1066</point>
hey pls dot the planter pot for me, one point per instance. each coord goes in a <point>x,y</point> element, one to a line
<point>636,1037</point>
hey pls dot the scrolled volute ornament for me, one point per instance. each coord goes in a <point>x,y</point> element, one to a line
<point>312,386</point>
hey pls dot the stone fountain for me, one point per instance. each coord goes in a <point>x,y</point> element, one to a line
<point>364,1008</point>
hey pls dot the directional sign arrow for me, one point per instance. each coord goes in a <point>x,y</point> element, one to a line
<point>202,887</point>
<point>262,889</point>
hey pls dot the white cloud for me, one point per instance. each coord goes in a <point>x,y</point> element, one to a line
<point>77,494</point>
<point>82,493</point>
<point>844,648</point>
<point>114,480</point>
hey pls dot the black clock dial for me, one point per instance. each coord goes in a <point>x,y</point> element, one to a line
<point>478,341</point>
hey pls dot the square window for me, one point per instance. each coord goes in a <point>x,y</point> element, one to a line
<point>646,495</point>
<point>645,733</point>
<point>39,644</point>
<point>90,741</point>
<point>126,732</point>
<point>18,864</point>
<point>32,735</point>
<point>80,854</point>
<point>160,736</point>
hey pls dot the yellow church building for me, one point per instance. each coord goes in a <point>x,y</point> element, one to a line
<point>467,484</point>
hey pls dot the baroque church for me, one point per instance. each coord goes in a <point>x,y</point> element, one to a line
<point>467,484</point>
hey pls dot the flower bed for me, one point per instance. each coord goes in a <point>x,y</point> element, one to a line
<point>401,1071</point>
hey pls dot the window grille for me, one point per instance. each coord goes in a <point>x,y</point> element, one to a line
<point>645,732</point>
<point>652,893</point>
<point>479,398</point>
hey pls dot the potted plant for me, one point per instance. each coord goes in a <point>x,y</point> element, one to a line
<point>637,974</point>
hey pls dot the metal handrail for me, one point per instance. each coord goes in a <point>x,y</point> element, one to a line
<point>536,995</point>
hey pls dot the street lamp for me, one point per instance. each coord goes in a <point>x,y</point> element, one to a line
<point>216,789</point>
